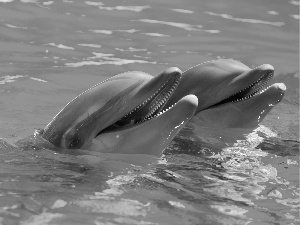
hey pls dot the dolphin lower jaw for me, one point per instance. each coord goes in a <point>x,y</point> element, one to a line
<point>190,100</point>
<point>149,137</point>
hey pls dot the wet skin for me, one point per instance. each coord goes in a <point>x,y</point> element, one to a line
<point>151,136</point>
<point>230,94</point>
<point>123,114</point>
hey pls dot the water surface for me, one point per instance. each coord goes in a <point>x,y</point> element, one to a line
<point>53,50</point>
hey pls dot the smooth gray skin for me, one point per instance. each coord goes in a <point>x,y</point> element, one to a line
<point>152,136</point>
<point>244,114</point>
<point>216,80</point>
<point>77,125</point>
<point>81,120</point>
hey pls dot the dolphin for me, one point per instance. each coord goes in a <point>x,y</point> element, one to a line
<point>230,94</point>
<point>123,114</point>
<point>134,112</point>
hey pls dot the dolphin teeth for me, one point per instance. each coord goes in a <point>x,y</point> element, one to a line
<point>165,110</point>
<point>159,103</point>
<point>151,116</point>
<point>254,89</point>
<point>152,106</point>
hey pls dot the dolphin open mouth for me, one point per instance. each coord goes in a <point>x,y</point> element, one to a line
<point>256,88</point>
<point>150,108</point>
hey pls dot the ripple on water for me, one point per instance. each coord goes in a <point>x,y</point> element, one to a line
<point>100,5</point>
<point>211,180</point>
<point>106,59</point>
<point>229,17</point>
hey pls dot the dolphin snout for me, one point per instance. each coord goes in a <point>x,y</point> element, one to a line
<point>264,67</point>
<point>281,87</point>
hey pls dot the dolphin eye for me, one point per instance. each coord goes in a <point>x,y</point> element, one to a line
<point>75,143</point>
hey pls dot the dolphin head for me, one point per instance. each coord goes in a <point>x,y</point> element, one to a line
<point>125,100</point>
<point>230,94</point>
<point>247,113</point>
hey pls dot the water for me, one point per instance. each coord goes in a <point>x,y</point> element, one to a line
<point>52,51</point>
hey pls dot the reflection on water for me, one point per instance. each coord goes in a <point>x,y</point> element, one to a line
<point>105,59</point>
<point>229,17</point>
<point>53,50</point>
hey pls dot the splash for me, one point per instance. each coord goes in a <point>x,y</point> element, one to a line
<point>110,200</point>
<point>245,173</point>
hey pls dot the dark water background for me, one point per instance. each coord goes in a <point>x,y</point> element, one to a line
<point>50,51</point>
